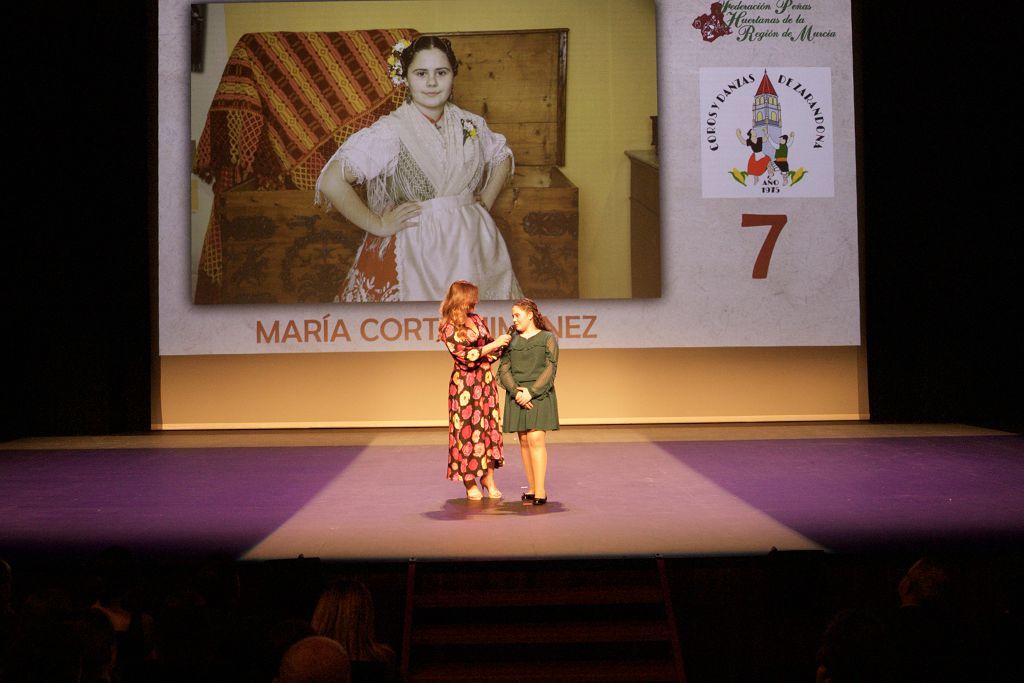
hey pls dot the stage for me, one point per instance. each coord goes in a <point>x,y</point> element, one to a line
<point>617,491</point>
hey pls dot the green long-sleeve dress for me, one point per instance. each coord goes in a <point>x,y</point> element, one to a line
<point>530,363</point>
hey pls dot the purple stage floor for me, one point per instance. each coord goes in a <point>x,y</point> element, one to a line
<point>674,498</point>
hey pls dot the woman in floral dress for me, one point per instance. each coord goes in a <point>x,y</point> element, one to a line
<point>432,172</point>
<point>474,425</point>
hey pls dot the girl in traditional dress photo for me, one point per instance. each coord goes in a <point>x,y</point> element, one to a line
<point>527,372</point>
<point>432,172</point>
<point>474,424</point>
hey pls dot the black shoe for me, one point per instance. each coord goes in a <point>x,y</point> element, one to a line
<point>540,501</point>
<point>526,496</point>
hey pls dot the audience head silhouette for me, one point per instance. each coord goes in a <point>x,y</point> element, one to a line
<point>345,613</point>
<point>315,659</point>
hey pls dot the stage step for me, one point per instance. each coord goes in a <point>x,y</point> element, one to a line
<point>562,631</point>
<point>611,595</point>
<point>597,620</point>
<point>551,672</point>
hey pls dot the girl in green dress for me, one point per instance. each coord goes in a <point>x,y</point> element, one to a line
<point>527,372</point>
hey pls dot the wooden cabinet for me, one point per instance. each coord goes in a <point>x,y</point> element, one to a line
<point>279,248</point>
<point>516,80</point>
<point>644,224</point>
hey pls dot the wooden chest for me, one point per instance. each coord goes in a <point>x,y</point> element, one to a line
<point>277,247</point>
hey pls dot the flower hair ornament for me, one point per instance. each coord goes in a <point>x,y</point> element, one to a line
<point>395,70</point>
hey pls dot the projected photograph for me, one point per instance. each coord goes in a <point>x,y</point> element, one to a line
<point>380,162</point>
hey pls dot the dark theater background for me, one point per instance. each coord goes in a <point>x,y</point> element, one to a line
<point>939,146</point>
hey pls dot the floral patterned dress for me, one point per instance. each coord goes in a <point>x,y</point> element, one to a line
<point>474,424</point>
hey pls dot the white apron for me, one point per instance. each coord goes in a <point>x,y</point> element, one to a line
<point>405,157</point>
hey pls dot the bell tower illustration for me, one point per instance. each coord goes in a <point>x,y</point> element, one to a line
<point>767,112</point>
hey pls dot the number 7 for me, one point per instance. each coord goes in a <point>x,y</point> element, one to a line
<point>764,257</point>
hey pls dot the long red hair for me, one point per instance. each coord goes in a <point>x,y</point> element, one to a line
<point>461,296</point>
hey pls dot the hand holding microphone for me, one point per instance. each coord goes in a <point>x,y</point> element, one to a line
<point>506,339</point>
